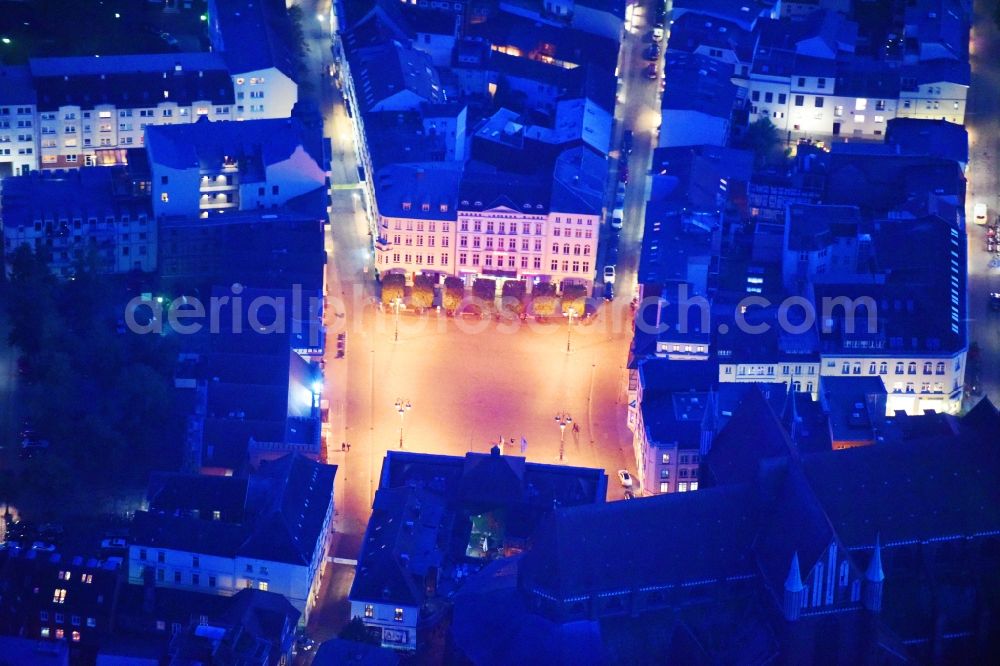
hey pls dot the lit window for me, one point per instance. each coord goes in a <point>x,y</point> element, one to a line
<point>76,636</point>
<point>164,197</point>
<point>59,596</point>
<point>216,515</point>
<point>860,104</point>
<point>399,615</point>
<point>104,114</point>
<point>60,634</point>
<point>262,585</point>
<point>682,487</point>
<point>665,487</point>
<point>369,610</point>
<point>45,632</point>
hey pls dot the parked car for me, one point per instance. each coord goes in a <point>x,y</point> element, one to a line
<point>651,52</point>
<point>979,213</point>
<point>169,39</point>
<point>657,33</point>
<point>650,71</point>
<point>629,495</point>
<point>625,478</point>
<point>609,291</point>
<point>995,301</point>
<point>627,142</point>
<point>620,196</point>
<point>609,273</point>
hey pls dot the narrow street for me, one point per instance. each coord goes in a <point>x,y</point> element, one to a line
<point>983,124</point>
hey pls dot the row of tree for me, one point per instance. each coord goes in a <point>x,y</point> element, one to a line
<point>543,301</point>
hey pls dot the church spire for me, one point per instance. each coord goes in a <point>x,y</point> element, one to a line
<point>875,573</point>
<point>874,578</point>
<point>793,583</point>
<point>795,591</point>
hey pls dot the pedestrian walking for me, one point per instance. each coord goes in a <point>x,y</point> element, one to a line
<point>348,447</point>
<point>343,446</point>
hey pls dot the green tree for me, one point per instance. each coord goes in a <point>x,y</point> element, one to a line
<point>485,291</point>
<point>356,631</point>
<point>764,139</point>
<point>454,292</point>
<point>574,296</point>
<point>422,294</point>
<point>393,287</point>
<point>544,302</point>
<point>513,296</point>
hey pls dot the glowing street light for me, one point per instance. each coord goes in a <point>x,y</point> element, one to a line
<point>563,419</point>
<point>569,329</point>
<point>401,408</point>
<point>396,304</point>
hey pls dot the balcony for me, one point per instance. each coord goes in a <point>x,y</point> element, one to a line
<point>208,185</point>
<point>213,204</point>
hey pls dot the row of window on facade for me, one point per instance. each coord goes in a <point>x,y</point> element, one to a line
<point>682,486</point>
<point>848,368</point>
<point>397,614</point>
<point>128,113</point>
<point>683,473</point>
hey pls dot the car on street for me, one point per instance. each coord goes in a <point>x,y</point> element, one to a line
<point>657,33</point>
<point>625,478</point>
<point>609,291</point>
<point>651,52</point>
<point>43,547</point>
<point>650,71</point>
<point>114,544</point>
<point>609,273</point>
<point>995,301</point>
<point>616,221</point>
<point>627,139</point>
<point>629,495</point>
<point>979,213</point>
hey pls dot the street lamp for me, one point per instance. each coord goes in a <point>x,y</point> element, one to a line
<point>571,312</point>
<point>563,419</point>
<point>396,303</point>
<point>402,406</point>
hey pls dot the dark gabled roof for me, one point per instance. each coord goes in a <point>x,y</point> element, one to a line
<point>904,492</point>
<point>382,70</point>
<point>402,543</point>
<point>627,545</point>
<point>492,479</point>
<point>131,81</point>
<point>484,188</point>
<point>698,83</point>
<point>180,494</point>
<point>813,227</point>
<point>16,86</point>
<point>692,31</point>
<point>254,144</point>
<point>796,523</point>
<point>578,182</point>
<point>284,506</point>
<point>934,138</point>
<point>238,24</point>
<point>754,433</point>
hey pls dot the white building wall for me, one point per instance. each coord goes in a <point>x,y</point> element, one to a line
<point>175,191</point>
<point>265,93</point>
<point>914,383</point>
<point>416,245</point>
<point>803,376</point>
<point>19,145</point>
<point>935,101</point>
<point>397,624</point>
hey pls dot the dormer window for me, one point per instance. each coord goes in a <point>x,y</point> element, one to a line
<point>443,208</point>
<point>425,207</point>
<point>407,205</point>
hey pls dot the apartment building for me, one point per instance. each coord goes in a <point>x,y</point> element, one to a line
<point>99,215</point>
<point>264,75</point>
<point>91,110</point>
<point>18,122</point>
<point>207,166</point>
<point>219,534</point>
